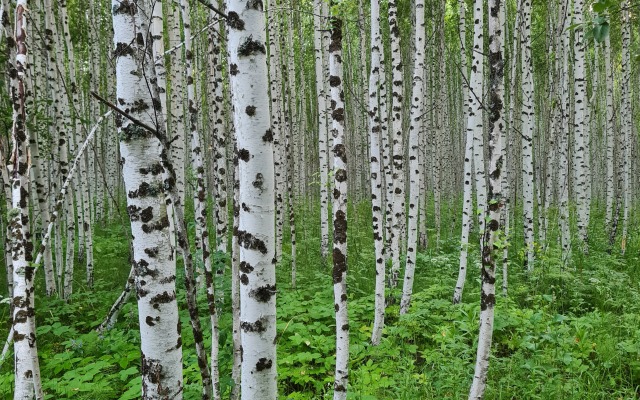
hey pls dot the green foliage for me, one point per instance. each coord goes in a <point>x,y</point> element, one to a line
<point>564,332</point>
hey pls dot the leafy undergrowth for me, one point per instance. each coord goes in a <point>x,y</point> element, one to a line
<point>562,333</point>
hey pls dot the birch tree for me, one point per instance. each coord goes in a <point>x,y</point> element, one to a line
<point>414,171</point>
<point>474,135</point>
<point>211,388</point>
<point>339,210</point>
<point>581,145</point>
<point>528,125</point>
<point>563,154</point>
<point>255,235</point>
<point>491,234</point>
<point>626,122</point>
<point>322,128</point>
<point>155,267</point>
<point>396,194</point>
<point>376,91</point>
<point>26,367</point>
<point>609,132</point>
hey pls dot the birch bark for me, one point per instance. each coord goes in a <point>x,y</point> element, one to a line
<point>26,367</point>
<point>255,233</point>
<point>322,128</point>
<point>339,210</point>
<point>417,107</point>
<point>528,125</point>
<point>490,235</point>
<point>581,144</point>
<point>155,267</point>
<point>376,90</point>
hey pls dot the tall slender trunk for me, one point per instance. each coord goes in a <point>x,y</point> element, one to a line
<point>626,119</point>
<point>376,91</point>
<point>473,154</point>
<point>323,129</point>
<point>581,142</point>
<point>417,107</point>
<point>211,383</point>
<point>528,126</point>
<point>396,196</point>
<point>255,234</point>
<point>563,159</point>
<point>339,210</point>
<point>491,234</point>
<point>26,368</point>
<point>609,133</point>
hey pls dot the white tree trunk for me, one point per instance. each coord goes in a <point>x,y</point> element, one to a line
<point>581,142</point>
<point>476,112</point>
<point>235,285</point>
<point>155,268</point>
<point>255,234</point>
<point>176,111</point>
<point>339,211</point>
<point>563,153</point>
<point>528,125</point>
<point>415,128</point>
<point>323,128</point>
<point>626,119</point>
<point>490,236</point>
<point>26,369</point>
<point>211,389</point>
<point>474,149</point>
<point>397,197</point>
<point>609,133</point>
<point>376,91</point>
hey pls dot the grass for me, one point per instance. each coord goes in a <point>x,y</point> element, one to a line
<point>563,333</point>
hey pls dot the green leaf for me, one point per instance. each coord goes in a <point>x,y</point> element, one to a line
<point>601,31</point>
<point>598,7</point>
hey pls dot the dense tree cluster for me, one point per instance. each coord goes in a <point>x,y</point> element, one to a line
<point>496,112</point>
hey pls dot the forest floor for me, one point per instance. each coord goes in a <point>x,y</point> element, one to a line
<point>562,333</point>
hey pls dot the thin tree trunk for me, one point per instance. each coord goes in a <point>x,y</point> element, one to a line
<point>581,143</point>
<point>319,47</point>
<point>528,125</point>
<point>210,381</point>
<point>627,122</point>
<point>27,368</point>
<point>491,237</point>
<point>376,91</point>
<point>397,198</point>
<point>472,155</point>
<point>339,210</point>
<point>609,133</point>
<point>417,109</point>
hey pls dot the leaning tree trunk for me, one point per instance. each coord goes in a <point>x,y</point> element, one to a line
<point>490,237</point>
<point>339,210</point>
<point>249,91</point>
<point>155,267</point>
<point>27,368</point>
